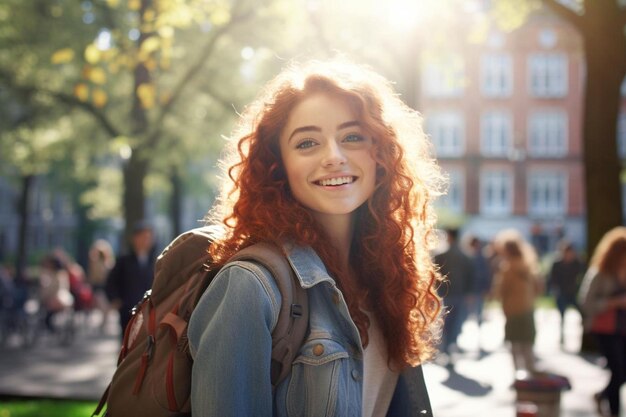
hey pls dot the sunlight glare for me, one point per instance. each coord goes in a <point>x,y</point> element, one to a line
<point>125,152</point>
<point>247,53</point>
<point>103,41</point>
<point>405,15</point>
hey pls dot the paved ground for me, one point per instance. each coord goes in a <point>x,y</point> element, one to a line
<point>50,370</point>
<point>479,383</point>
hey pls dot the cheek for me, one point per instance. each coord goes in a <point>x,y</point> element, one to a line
<point>296,177</point>
<point>371,169</point>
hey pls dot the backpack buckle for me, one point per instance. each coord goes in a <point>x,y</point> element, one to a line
<point>296,310</point>
<point>150,347</point>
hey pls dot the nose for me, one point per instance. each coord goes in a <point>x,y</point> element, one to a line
<point>333,155</point>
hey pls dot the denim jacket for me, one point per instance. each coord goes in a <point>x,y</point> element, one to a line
<point>230,341</point>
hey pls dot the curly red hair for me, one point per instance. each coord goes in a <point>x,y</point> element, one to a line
<point>610,253</point>
<point>398,284</point>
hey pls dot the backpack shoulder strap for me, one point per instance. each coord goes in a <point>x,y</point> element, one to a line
<point>293,318</point>
<point>185,255</point>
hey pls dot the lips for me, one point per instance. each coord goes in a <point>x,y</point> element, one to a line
<point>336,181</point>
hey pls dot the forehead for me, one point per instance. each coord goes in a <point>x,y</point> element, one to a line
<point>320,109</point>
<point>142,233</point>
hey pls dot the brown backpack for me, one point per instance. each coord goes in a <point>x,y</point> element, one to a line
<point>153,376</point>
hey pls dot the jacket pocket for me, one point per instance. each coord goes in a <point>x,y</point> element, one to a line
<point>318,378</point>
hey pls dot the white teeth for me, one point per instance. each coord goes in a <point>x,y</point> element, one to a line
<point>337,181</point>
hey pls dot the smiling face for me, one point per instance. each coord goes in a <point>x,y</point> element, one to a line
<point>327,156</point>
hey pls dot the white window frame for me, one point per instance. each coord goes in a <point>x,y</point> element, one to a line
<point>496,133</point>
<point>547,193</point>
<point>444,76</point>
<point>548,74</point>
<point>496,75</point>
<point>454,199</point>
<point>447,133</point>
<point>496,192</point>
<point>548,133</point>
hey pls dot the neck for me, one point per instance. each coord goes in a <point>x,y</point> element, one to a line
<point>340,230</point>
<point>141,252</point>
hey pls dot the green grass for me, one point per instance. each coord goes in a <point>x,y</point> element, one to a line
<point>46,408</point>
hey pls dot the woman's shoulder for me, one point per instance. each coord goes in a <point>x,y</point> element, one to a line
<point>247,280</point>
<point>239,289</point>
<point>246,274</point>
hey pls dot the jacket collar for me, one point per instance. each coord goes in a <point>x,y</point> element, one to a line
<point>307,265</point>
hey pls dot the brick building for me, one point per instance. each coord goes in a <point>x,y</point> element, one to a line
<point>505,116</point>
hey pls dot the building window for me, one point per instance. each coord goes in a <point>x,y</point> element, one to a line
<point>547,133</point>
<point>547,38</point>
<point>444,77</point>
<point>454,200</point>
<point>497,75</point>
<point>548,74</point>
<point>496,131</point>
<point>496,192</point>
<point>547,193</point>
<point>621,135</point>
<point>447,132</point>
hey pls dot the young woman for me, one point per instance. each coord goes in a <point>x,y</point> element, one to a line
<point>332,167</point>
<point>517,285</point>
<point>603,296</point>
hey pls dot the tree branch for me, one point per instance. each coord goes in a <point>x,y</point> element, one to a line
<point>565,13</point>
<point>68,99</point>
<point>191,73</point>
<point>100,116</point>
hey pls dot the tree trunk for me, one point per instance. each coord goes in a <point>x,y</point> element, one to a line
<point>135,171</point>
<point>84,235</point>
<point>136,168</point>
<point>24,213</point>
<point>411,70</point>
<point>176,200</point>
<point>605,71</point>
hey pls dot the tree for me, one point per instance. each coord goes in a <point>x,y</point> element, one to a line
<point>133,78</point>
<point>601,25</point>
<point>32,145</point>
<point>34,132</point>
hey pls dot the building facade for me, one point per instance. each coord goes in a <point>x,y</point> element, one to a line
<point>505,117</point>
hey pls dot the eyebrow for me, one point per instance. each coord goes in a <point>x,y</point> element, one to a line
<point>312,128</point>
<point>304,129</point>
<point>351,123</point>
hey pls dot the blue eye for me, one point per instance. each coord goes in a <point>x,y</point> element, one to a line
<point>354,138</point>
<point>305,144</point>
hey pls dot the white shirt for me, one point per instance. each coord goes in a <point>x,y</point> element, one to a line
<point>379,382</point>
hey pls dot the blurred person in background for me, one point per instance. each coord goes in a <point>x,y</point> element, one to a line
<point>458,269</point>
<point>54,289</point>
<point>603,301</point>
<point>7,289</point>
<point>79,287</point>
<point>516,285</point>
<point>564,279</point>
<point>133,272</point>
<point>101,261</point>
<point>483,275</point>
